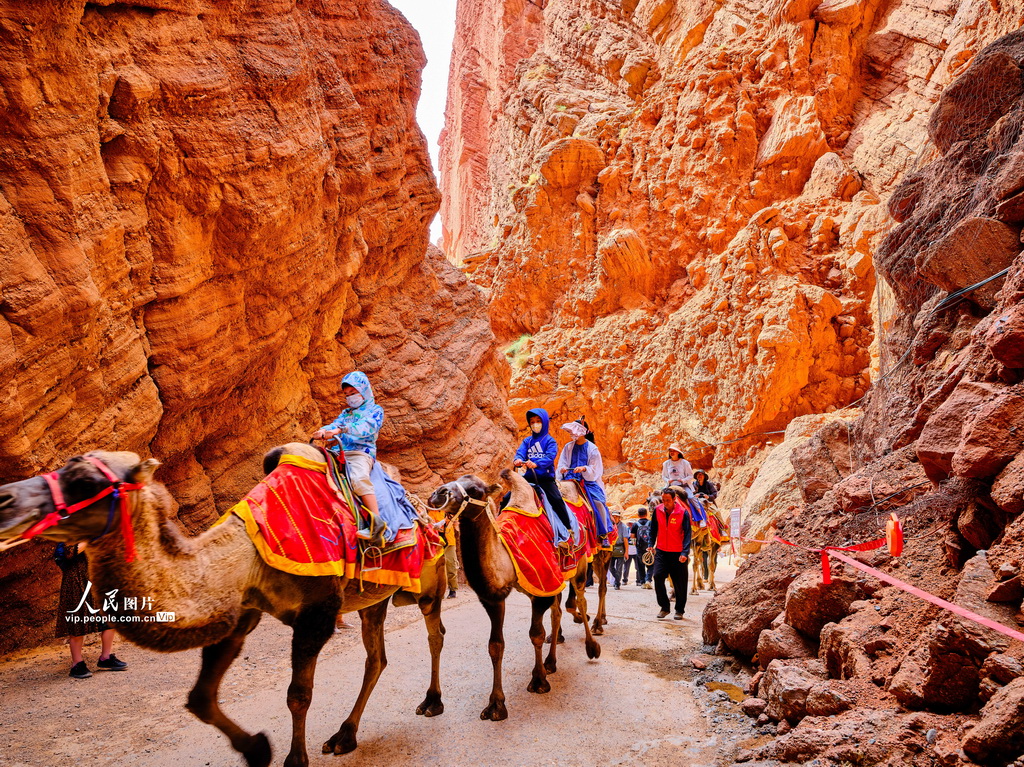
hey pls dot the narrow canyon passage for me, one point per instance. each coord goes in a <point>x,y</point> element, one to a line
<point>784,238</point>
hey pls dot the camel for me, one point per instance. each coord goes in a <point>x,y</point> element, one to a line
<point>704,550</point>
<point>492,575</point>
<point>602,560</point>
<point>218,588</point>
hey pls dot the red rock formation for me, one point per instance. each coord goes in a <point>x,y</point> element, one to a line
<point>952,406</point>
<point>210,211</point>
<point>677,202</point>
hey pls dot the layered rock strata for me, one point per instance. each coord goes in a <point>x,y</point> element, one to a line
<point>940,445</point>
<point>210,211</point>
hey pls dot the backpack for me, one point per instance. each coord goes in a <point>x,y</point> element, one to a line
<point>643,535</point>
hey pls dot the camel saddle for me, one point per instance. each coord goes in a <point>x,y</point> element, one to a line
<point>542,570</point>
<point>301,524</point>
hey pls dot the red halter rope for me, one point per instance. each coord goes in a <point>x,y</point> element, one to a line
<point>118,489</point>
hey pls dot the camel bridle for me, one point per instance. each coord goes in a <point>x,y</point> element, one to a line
<point>118,491</point>
<point>467,501</point>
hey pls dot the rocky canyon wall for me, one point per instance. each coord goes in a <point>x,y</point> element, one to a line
<point>210,211</point>
<point>676,202</point>
<point>940,444</point>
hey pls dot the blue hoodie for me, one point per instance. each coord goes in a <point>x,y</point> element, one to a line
<point>359,425</point>
<point>539,448</point>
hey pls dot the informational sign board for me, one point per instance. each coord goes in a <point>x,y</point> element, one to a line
<point>734,522</point>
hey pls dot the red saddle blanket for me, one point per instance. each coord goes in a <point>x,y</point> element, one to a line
<point>719,532</point>
<point>527,536</point>
<point>301,526</point>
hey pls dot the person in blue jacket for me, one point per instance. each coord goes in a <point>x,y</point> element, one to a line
<point>537,454</point>
<point>358,425</point>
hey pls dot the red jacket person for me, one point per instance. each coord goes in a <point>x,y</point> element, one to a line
<point>670,539</point>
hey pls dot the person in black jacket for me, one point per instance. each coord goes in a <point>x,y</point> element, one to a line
<point>670,539</point>
<point>703,487</point>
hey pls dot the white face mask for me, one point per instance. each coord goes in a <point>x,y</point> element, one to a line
<point>354,400</point>
<point>536,427</point>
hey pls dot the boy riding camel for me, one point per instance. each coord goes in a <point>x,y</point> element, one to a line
<point>358,425</point>
<point>537,455</point>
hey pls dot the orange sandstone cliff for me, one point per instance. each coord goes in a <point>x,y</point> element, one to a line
<point>673,204</point>
<point>210,211</point>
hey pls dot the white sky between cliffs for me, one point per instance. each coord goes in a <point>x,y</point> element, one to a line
<point>435,21</point>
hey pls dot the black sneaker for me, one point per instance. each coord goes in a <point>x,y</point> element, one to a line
<point>451,593</point>
<point>111,664</point>
<point>80,671</point>
<point>662,614</point>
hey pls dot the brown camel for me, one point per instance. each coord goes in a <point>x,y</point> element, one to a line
<point>704,549</point>
<point>218,588</point>
<point>602,560</point>
<point>492,575</point>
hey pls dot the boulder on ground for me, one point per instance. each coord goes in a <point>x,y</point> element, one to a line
<point>784,642</point>
<point>999,737</point>
<point>785,686</point>
<point>810,604</point>
<point>825,699</point>
<point>941,672</point>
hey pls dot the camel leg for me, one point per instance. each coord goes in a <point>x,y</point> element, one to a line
<point>372,624</point>
<point>556,621</point>
<point>570,607</point>
<point>601,618</point>
<point>539,682</point>
<point>496,710</point>
<point>202,699</point>
<point>431,609</point>
<point>579,584</point>
<point>310,632</point>
<point>551,664</point>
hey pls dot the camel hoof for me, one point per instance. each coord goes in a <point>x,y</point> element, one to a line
<point>551,665</point>
<point>496,712</point>
<point>296,760</point>
<point>430,708</point>
<point>577,618</point>
<point>593,650</point>
<point>259,753</point>
<point>539,685</point>
<point>596,629</point>
<point>342,742</point>
<point>604,621</point>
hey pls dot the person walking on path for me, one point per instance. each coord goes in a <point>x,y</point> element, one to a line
<point>676,471</point>
<point>451,561</point>
<point>630,555</point>
<point>640,531</point>
<point>75,607</point>
<point>619,548</point>
<point>670,537</point>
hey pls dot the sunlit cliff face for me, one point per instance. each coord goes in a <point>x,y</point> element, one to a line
<point>674,206</point>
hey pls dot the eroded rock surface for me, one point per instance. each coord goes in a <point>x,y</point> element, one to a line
<point>209,212</point>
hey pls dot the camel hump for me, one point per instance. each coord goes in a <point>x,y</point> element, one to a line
<point>273,456</point>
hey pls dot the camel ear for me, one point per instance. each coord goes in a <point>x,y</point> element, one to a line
<point>143,473</point>
<point>494,490</point>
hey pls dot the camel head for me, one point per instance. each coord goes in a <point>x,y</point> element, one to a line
<point>24,503</point>
<point>452,496</point>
